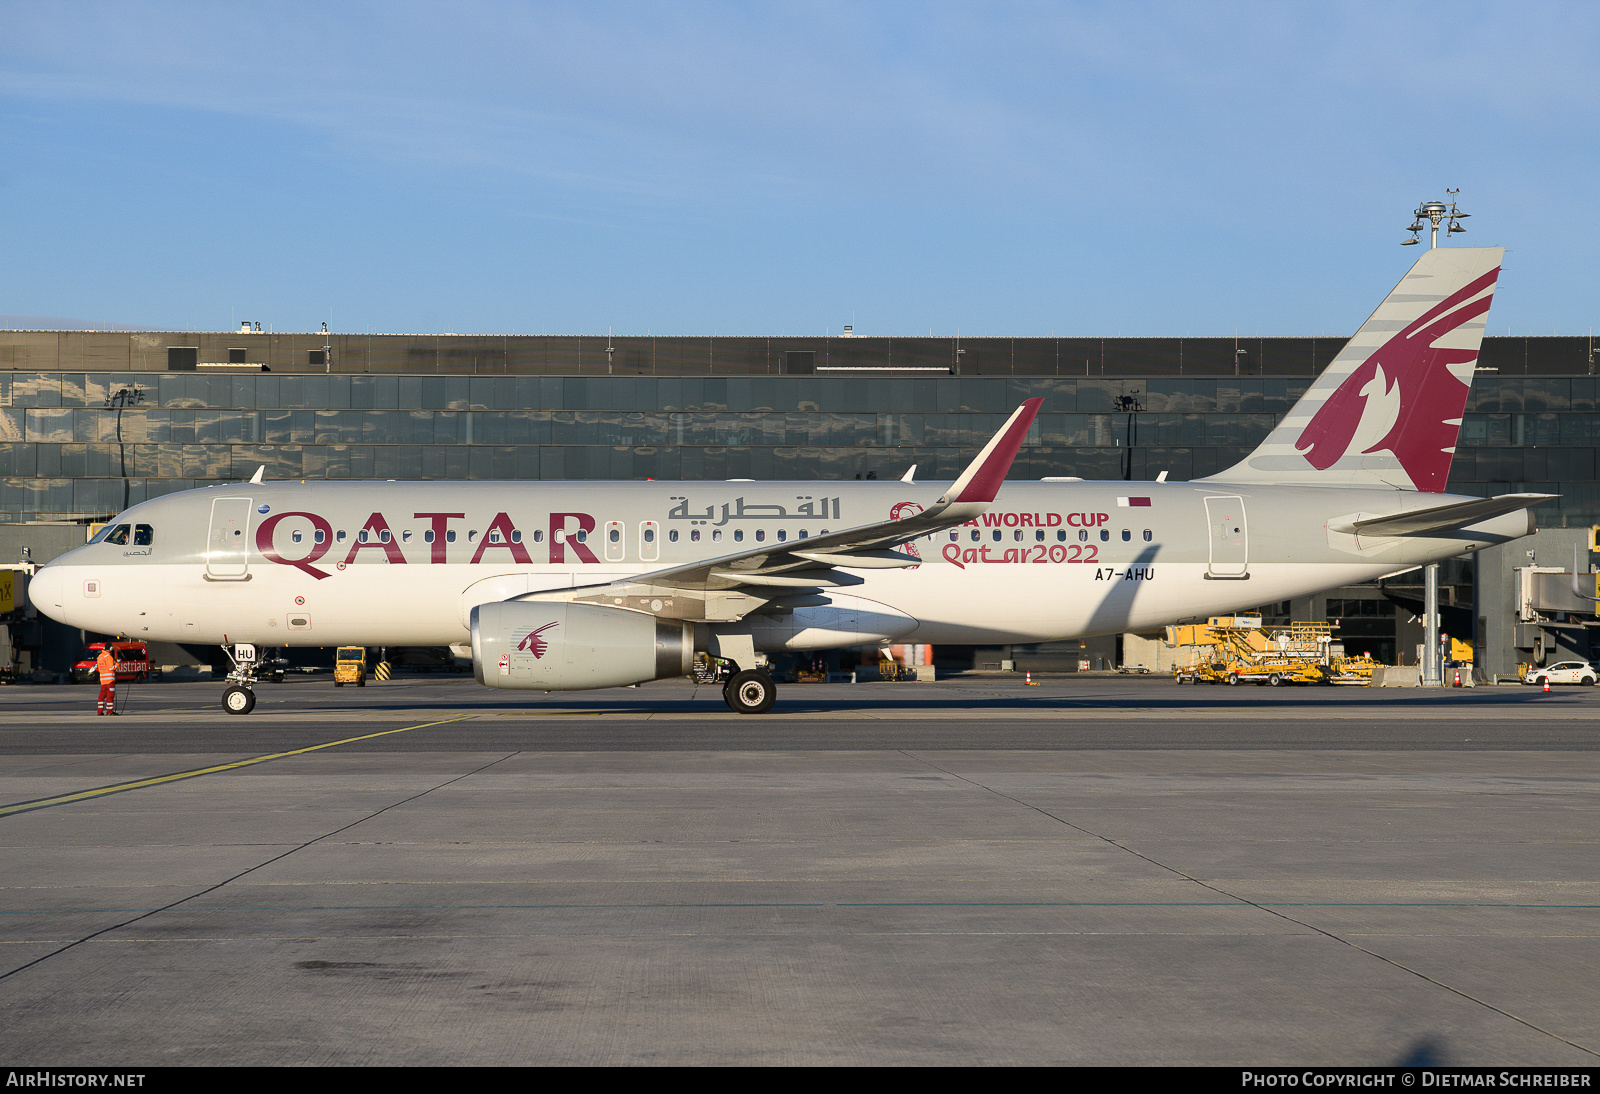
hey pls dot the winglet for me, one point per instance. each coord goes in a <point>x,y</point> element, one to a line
<point>980,482</point>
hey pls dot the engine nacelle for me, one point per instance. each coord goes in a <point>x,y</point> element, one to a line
<point>559,646</point>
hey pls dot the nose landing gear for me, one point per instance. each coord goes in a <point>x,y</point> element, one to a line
<point>238,700</point>
<point>240,697</point>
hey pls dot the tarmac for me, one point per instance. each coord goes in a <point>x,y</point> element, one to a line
<point>1091,871</point>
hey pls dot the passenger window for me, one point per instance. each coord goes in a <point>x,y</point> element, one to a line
<point>761,535</point>
<point>738,535</point>
<point>1083,536</point>
<point>1038,535</point>
<point>649,535</point>
<point>538,537</point>
<point>449,536</point>
<point>296,536</point>
<point>339,536</point>
<point>319,536</point>
<point>782,535</point>
<point>384,536</point>
<point>494,535</point>
<point>1061,535</point>
<point>427,537</point>
<point>1017,535</point>
<point>694,536</point>
<point>583,536</point>
<point>1147,535</point>
<point>616,535</point>
<point>672,536</point>
<point>516,535</point>
<point>1126,535</point>
<point>361,536</point>
<point>143,535</point>
<point>1105,534</point>
<point>716,537</point>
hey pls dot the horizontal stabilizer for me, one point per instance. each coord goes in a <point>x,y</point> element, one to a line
<point>1444,518</point>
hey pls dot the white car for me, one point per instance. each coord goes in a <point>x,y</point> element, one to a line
<point>1566,672</point>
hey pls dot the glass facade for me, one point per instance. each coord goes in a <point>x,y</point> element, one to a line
<point>85,444</point>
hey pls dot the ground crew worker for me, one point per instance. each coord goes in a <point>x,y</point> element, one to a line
<point>107,664</point>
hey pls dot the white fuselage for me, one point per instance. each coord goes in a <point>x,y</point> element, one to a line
<point>403,563</point>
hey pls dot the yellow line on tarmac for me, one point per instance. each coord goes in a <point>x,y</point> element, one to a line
<point>84,795</point>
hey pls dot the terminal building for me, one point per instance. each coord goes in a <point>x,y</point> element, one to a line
<point>94,421</point>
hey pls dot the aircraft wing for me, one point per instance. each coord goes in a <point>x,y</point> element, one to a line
<point>749,579</point>
<point>1441,518</point>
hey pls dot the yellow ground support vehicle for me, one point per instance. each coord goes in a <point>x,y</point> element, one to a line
<point>1238,650</point>
<point>350,666</point>
<point>1352,670</point>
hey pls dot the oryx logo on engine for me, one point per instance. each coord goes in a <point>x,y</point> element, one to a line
<point>532,643</point>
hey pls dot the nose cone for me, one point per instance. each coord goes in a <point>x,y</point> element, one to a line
<point>45,590</point>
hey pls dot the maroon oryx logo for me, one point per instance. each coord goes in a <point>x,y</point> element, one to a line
<point>533,644</point>
<point>901,511</point>
<point>1405,394</point>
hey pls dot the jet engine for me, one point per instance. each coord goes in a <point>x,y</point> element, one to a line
<point>559,646</point>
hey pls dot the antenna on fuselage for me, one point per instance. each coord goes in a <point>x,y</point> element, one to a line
<point>260,472</point>
<point>910,475</point>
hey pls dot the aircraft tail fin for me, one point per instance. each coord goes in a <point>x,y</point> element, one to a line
<point>1387,410</point>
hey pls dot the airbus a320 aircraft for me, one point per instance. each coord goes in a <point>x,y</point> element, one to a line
<point>564,586</point>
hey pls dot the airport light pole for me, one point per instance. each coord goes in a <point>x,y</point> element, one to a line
<point>1434,212</point>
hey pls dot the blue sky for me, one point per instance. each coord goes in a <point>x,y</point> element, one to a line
<point>700,168</point>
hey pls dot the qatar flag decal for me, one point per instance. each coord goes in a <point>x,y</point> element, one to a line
<point>1133,503</point>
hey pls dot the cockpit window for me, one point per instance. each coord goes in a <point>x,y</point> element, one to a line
<point>143,535</point>
<point>118,535</point>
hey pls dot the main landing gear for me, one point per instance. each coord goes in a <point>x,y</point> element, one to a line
<point>750,691</point>
<point>746,691</point>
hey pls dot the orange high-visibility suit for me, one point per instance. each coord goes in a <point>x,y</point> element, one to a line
<point>107,664</point>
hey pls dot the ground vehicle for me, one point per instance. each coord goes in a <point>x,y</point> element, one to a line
<point>1564,672</point>
<point>350,666</point>
<point>133,662</point>
<point>1238,650</point>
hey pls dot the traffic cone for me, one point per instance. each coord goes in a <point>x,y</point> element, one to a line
<point>1547,685</point>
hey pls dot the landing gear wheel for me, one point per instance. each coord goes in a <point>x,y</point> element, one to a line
<point>237,700</point>
<point>750,692</point>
